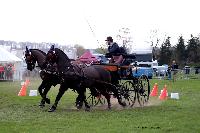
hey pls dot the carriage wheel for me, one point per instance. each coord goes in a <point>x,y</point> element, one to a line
<point>143,90</point>
<point>94,101</point>
<point>128,93</point>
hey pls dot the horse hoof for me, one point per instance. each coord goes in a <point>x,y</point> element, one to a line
<point>123,104</point>
<point>78,107</point>
<point>47,100</point>
<point>109,108</point>
<point>52,109</point>
<point>87,109</point>
<point>41,105</point>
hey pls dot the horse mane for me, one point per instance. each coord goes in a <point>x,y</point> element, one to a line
<point>40,56</point>
<point>63,60</point>
<point>40,51</point>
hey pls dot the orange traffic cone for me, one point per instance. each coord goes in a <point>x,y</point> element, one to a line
<point>163,95</point>
<point>22,91</point>
<point>27,82</point>
<point>154,91</point>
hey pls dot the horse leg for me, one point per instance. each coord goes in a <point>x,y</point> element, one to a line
<point>82,98</point>
<point>116,93</point>
<point>87,106</point>
<point>79,99</point>
<point>46,90</point>
<point>107,96</point>
<point>40,90</point>
<point>78,102</point>
<point>120,101</point>
<point>62,90</point>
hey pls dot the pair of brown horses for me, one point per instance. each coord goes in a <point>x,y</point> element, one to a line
<point>49,78</point>
<point>96,78</point>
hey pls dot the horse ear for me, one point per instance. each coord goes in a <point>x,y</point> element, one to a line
<point>52,47</point>
<point>27,50</point>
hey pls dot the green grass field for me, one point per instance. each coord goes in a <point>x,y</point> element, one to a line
<point>22,114</point>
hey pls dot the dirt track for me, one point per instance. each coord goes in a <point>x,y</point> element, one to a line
<point>153,101</point>
<point>115,104</point>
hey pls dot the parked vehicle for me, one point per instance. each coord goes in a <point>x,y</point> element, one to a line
<point>101,58</point>
<point>187,69</point>
<point>148,71</point>
<point>160,70</point>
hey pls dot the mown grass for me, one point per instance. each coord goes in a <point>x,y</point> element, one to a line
<point>22,114</point>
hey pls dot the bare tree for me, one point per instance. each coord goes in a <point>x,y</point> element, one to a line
<point>156,42</point>
<point>153,38</point>
<point>124,36</point>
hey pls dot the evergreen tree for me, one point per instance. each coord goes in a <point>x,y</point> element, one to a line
<point>165,52</point>
<point>193,48</point>
<point>179,52</point>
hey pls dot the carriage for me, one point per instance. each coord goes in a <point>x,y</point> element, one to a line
<point>101,79</point>
<point>131,88</point>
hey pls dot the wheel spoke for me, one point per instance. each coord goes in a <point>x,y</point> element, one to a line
<point>127,93</point>
<point>143,90</point>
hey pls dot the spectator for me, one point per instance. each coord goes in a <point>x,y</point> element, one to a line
<point>174,69</point>
<point>1,72</point>
<point>174,65</point>
<point>169,73</point>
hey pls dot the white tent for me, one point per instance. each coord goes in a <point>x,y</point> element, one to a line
<point>7,57</point>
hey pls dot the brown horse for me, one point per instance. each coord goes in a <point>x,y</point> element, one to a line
<point>96,78</point>
<point>33,56</point>
<point>49,78</point>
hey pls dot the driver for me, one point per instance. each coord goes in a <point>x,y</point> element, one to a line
<point>114,51</point>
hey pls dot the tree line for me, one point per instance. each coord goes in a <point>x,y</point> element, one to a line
<point>185,52</point>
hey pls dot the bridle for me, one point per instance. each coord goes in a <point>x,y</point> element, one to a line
<point>75,69</point>
<point>30,60</point>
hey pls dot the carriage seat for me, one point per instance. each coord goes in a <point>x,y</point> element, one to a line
<point>127,58</point>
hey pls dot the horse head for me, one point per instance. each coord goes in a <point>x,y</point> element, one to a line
<point>57,57</point>
<point>30,59</point>
<point>51,57</point>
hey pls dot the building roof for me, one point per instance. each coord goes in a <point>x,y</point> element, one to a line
<point>143,57</point>
<point>6,56</point>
